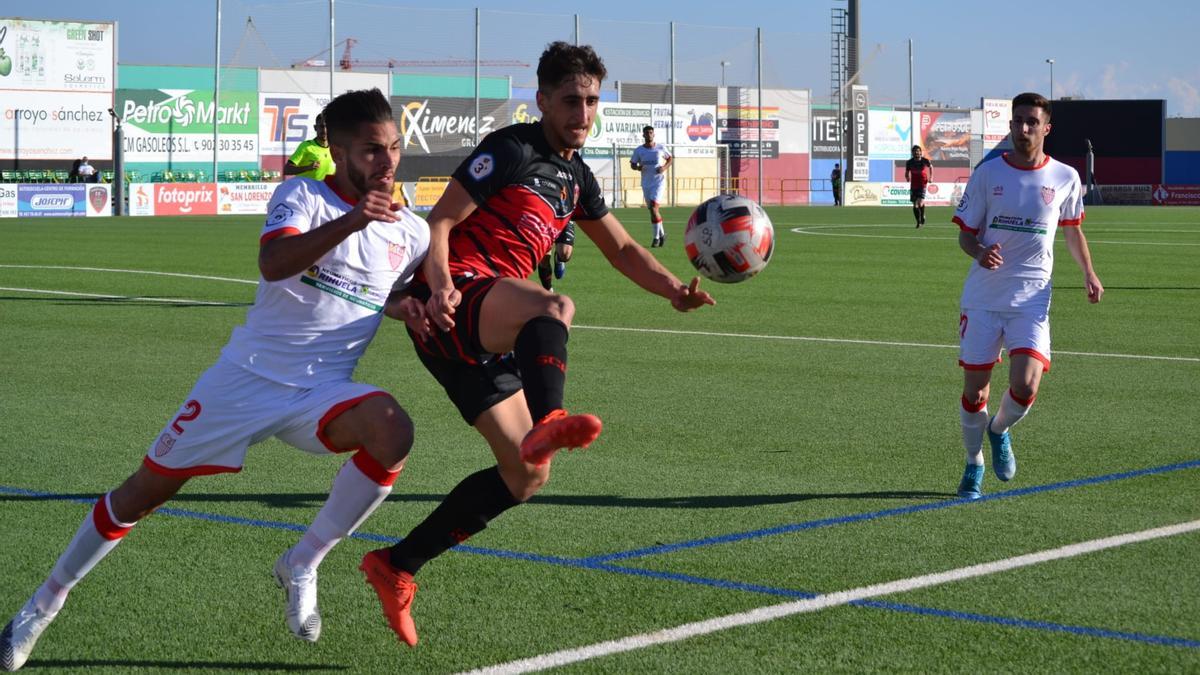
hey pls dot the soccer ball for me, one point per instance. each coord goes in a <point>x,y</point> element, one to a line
<point>729,238</point>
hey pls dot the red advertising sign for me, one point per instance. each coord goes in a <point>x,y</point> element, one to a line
<point>1175,195</point>
<point>185,199</point>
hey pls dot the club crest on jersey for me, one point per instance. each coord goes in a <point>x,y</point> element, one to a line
<point>1047,194</point>
<point>998,191</point>
<point>164,445</point>
<point>483,166</point>
<point>396,255</point>
<point>280,213</point>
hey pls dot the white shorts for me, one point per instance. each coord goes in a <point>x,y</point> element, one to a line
<point>229,409</point>
<point>654,192</point>
<point>982,333</point>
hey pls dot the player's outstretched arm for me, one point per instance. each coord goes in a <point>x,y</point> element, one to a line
<point>1078,246</point>
<point>452,208</point>
<point>635,262</point>
<point>288,255</point>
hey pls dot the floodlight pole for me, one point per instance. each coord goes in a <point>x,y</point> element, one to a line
<point>333,56</point>
<point>761,142</point>
<point>671,116</point>
<point>1051,62</point>
<point>118,184</point>
<point>216,93</point>
<point>723,64</point>
<point>476,76</point>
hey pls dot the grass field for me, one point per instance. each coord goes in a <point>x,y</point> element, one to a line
<point>799,438</point>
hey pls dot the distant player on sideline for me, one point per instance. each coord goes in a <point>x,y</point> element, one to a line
<point>564,246</point>
<point>652,160</point>
<point>312,158</point>
<point>918,171</point>
<point>835,180</point>
<point>498,341</point>
<point>1007,218</point>
<point>330,253</point>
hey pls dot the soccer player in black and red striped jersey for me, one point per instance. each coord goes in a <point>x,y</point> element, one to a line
<point>496,341</point>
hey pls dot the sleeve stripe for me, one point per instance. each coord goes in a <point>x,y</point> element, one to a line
<point>963,226</point>
<point>275,234</point>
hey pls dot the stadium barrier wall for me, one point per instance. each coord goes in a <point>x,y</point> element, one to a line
<point>41,200</point>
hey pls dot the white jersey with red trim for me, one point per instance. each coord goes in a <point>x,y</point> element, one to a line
<point>650,159</point>
<point>312,328</point>
<point>1020,209</point>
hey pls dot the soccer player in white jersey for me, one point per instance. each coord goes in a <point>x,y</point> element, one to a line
<point>652,160</point>
<point>1007,218</point>
<point>330,255</point>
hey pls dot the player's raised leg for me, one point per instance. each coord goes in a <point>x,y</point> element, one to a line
<point>466,511</point>
<point>1024,377</point>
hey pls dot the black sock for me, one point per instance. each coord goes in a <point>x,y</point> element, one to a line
<point>917,214</point>
<point>466,511</point>
<point>545,272</point>
<point>541,351</point>
<point>922,214</point>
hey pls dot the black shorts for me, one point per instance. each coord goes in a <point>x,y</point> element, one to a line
<point>916,194</point>
<point>474,379</point>
<point>567,236</point>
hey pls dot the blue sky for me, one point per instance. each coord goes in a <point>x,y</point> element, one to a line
<point>963,50</point>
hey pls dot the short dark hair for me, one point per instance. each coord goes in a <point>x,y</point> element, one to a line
<point>916,147</point>
<point>647,128</point>
<point>1034,99</point>
<point>345,113</point>
<point>562,61</point>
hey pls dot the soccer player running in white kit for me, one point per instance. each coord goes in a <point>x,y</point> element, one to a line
<point>1007,218</point>
<point>330,254</point>
<point>652,160</point>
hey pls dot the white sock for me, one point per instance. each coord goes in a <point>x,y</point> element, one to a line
<point>659,232</point>
<point>96,537</point>
<point>358,489</point>
<point>973,424</point>
<point>1011,411</point>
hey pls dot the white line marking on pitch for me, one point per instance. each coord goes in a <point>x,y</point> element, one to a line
<point>124,297</point>
<point>772,612</point>
<point>808,230</point>
<point>639,330</point>
<point>120,271</point>
<point>1148,357</point>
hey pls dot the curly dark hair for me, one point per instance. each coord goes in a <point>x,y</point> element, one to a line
<point>345,113</point>
<point>562,61</point>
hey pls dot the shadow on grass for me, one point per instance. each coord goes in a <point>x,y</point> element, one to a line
<point>220,666</point>
<point>315,500</point>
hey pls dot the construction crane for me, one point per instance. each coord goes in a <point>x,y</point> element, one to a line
<point>348,62</point>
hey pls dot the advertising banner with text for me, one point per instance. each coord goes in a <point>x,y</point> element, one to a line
<point>695,129</point>
<point>997,112</point>
<point>8,200</point>
<point>244,198</point>
<point>39,200</point>
<point>163,126</point>
<point>432,125</point>
<point>946,136</point>
<point>49,125</point>
<point>59,56</point>
<point>891,134</point>
<point>286,120</point>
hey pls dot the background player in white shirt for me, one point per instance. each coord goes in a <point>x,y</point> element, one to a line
<point>652,160</point>
<point>330,254</point>
<point>1007,218</point>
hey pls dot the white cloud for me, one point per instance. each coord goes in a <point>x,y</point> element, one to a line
<point>1185,97</point>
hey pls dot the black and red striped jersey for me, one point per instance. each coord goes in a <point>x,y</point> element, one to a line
<point>526,194</point>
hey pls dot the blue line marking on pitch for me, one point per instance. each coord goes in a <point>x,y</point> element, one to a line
<point>599,563</point>
<point>1036,625</point>
<point>875,515</point>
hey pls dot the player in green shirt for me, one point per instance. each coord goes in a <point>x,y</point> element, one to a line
<point>312,159</point>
